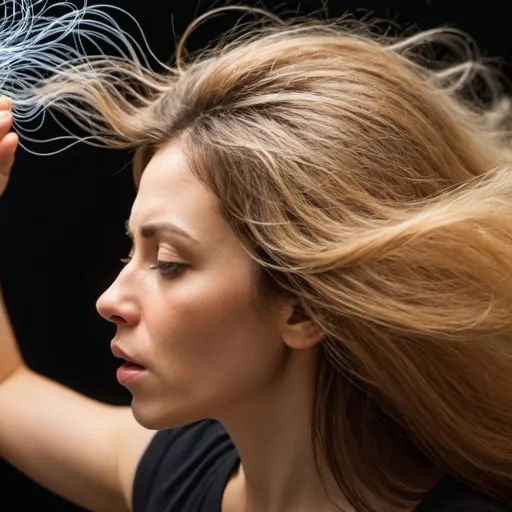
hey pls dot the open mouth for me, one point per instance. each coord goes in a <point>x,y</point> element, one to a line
<point>129,373</point>
<point>128,366</point>
<point>132,366</point>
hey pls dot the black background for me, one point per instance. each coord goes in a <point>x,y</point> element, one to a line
<point>61,219</point>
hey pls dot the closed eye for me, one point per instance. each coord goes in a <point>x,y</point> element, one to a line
<point>168,268</point>
<point>165,268</point>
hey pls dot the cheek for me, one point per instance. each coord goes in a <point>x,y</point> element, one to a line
<point>212,329</point>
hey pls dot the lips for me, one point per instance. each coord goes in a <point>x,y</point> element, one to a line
<point>120,354</point>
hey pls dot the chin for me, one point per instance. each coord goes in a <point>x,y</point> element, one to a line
<point>157,417</point>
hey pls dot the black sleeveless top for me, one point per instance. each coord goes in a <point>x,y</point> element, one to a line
<point>186,469</point>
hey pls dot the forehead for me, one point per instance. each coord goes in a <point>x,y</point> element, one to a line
<point>168,190</point>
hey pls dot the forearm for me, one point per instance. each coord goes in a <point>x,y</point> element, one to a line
<point>10,357</point>
<point>61,439</point>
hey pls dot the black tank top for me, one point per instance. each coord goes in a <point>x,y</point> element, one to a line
<point>186,469</point>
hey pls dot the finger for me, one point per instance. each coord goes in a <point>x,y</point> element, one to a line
<point>9,143</point>
<point>7,151</point>
<point>8,147</point>
<point>4,177</point>
<point>5,103</point>
<point>5,122</point>
<point>5,115</point>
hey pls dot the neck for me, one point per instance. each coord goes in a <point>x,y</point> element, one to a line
<point>272,433</point>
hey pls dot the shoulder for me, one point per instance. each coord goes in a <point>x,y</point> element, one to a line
<point>182,467</point>
<point>450,495</point>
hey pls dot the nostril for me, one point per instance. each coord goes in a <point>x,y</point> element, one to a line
<point>116,319</point>
<point>118,309</point>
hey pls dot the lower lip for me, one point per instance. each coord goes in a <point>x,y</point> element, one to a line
<point>127,374</point>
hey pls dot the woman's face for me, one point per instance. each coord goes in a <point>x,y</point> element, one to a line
<point>185,306</point>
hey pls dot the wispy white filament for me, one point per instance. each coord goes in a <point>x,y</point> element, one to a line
<point>38,40</point>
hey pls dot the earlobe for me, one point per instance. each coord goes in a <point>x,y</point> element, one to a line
<point>300,331</point>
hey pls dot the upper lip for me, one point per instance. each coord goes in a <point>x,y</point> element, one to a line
<point>121,354</point>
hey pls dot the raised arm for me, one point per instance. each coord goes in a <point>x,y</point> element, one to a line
<point>81,449</point>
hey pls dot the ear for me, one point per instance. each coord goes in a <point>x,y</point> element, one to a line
<point>299,331</point>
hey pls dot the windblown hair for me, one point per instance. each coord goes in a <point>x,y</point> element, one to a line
<point>373,185</point>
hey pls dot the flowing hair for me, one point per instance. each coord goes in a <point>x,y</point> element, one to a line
<point>375,185</point>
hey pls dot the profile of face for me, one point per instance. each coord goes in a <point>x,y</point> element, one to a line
<point>186,305</point>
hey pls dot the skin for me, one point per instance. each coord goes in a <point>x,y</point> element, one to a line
<point>9,354</point>
<point>211,347</point>
<point>8,142</point>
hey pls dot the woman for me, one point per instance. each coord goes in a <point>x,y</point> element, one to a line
<point>316,313</point>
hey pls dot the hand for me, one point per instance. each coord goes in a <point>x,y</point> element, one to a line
<point>8,142</point>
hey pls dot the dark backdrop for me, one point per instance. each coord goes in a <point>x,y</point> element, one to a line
<point>61,220</point>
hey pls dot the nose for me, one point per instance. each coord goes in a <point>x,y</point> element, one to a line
<point>115,306</point>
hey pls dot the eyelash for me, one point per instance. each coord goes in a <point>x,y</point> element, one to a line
<point>166,268</point>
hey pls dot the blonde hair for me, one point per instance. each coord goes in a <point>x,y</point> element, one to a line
<point>370,184</point>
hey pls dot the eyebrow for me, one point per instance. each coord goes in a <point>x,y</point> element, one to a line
<point>151,229</point>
